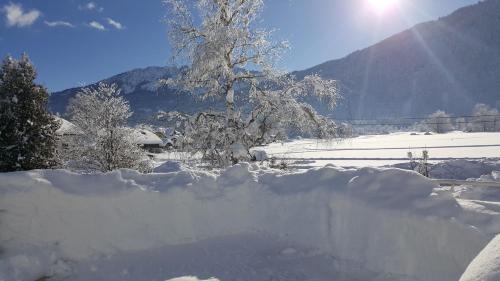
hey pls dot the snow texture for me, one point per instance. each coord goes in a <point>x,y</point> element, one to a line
<point>383,220</point>
<point>191,278</point>
<point>486,266</point>
<point>259,155</point>
<point>462,169</point>
<point>392,149</point>
<point>168,167</point>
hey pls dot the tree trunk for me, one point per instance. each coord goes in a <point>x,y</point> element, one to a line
<point>231,118</point>
<point>232,125</point>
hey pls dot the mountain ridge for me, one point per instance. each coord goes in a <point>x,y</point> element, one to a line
<point>450,64</point>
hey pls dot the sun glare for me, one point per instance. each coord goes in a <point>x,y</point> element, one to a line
<point>382,6</point>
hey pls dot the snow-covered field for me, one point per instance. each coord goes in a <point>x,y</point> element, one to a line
<point>382,150</point>
<point>247,223</point>
<point>252,223</point>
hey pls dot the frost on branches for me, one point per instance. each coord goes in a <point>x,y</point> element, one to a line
<point>486,119</point>
<point>106,143</point>
<point>27,129</point>
<point>220,43</point>
<point>439,122</point>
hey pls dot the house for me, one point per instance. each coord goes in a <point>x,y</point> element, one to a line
<point>172,138</point>
<point>147,140</point>
<point>67,132</point>
<point>67,128</point>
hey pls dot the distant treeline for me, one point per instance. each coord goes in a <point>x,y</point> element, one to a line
<point>483,118</point>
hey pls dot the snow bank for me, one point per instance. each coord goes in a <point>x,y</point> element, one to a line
<point>464,169</point>
<point>486,266</point>
<point>387,220</point>
<point>168,167</point>
<point>191,278</point>
<point>487,191</point>
<point>493,177</point>
<point>259,155</point>
<point>32,264</point>
<point>461,169</point>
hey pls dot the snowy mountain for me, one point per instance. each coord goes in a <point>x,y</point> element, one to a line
<point>450,64</point>
<point>146,96</point>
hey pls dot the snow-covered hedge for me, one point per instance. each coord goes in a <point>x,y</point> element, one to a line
<point>387,220</point>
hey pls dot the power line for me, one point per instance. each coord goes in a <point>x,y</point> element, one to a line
<point>477,119</point>
<point>421,118</point>
<point>426,123</point>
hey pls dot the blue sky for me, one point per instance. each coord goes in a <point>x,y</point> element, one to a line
<point>76,42</point>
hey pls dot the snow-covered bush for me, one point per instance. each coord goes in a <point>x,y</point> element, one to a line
<point>27,130</point>
<point>106,143</point>
<point>486,119</point>
<point>423,165</point>
<point>439,122</point>
<point>420,165</point>
<point>220,43</point>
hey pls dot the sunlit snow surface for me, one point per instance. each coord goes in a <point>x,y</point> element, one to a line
<point>246,223</point>
<point>382,150</point>
<point>191,278</point>
<point>253,223</point>
<point>486,266</point>
<point>236,257</point>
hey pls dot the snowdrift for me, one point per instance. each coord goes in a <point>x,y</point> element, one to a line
<point>486,266</point>
<point>190,278</point>
<point>386,220</point>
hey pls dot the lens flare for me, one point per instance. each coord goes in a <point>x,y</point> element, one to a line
<point>381,6</point>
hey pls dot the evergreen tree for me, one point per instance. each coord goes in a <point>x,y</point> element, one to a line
<point>27,129</point>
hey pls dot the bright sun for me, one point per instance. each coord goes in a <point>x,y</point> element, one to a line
<point>381,6</point>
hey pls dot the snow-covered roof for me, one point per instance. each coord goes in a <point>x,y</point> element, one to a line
<point>143,136</point>
<point>67,128</point>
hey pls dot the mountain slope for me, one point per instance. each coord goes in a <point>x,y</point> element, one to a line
<point>449,64</point>
<point>141,88</point>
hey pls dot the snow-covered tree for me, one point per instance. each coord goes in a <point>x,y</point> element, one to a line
<point>486,119</point>
<point>226,54</point>
<point>439,122</point>
<point>106,143</point>
<point>27,129</point>
<point>423,167</point>
<point>461,124</point>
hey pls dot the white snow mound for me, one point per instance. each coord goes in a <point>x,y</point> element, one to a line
<point>191,278</point>
<point>486,266</point>
<point>387,220</point>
